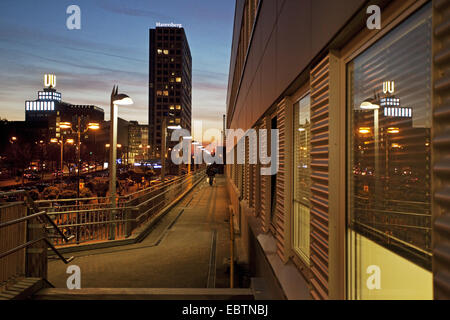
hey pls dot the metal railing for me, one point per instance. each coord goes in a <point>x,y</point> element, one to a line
<point>24,239</point>
<point>94,220</point>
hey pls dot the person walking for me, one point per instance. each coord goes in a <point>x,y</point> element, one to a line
<point>211,173</point>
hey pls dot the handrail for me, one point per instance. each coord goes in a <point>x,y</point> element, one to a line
<point>36,214</point>
<point>29,243</point>
<point>159,194</point>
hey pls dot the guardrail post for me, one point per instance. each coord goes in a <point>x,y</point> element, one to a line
<point>36,254</point>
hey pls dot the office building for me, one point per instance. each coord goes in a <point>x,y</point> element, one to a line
<point>358,208</point>
<point>49,110</point>
<point>170,83</point>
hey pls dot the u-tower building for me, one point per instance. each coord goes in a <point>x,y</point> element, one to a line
<point>170,83</point>
<point>359,207</point>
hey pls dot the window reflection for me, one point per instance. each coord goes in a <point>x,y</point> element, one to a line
<point>389,91</point>
<point>302,177</point>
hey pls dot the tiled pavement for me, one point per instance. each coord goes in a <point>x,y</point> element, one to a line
<point>188,248</point>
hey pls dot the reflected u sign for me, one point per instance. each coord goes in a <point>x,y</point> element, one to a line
<point>50,80</point>
<point>388,86</point>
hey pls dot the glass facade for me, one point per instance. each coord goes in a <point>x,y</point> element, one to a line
<point>389,169</point>
<point>302,177</point>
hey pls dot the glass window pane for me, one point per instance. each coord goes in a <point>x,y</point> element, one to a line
<point>302,177</point>
<point>389,97</point>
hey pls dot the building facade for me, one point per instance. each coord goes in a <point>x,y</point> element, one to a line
<point>50,110</point>
<point>138,147</point>
<point>358,208</point>
<point>170,83</point>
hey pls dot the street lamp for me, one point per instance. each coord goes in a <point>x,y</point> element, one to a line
<point>117,99</point>
<point>79,132</point>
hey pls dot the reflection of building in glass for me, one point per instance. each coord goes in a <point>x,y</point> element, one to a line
<point>391,178</point>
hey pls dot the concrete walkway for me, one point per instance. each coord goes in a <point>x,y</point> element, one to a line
<point>188,248</point>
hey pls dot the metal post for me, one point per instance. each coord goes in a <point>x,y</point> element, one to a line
<point>163,149</point>
<point>79,155</point>
<point>62,153</point>
<point>112,166</point>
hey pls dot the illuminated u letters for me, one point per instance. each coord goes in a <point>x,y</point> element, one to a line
<point>50,81</point>
<point>389,87</point>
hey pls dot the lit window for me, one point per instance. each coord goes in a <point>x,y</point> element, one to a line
<point>177,120</point>
<point>159,93</point>
<point>160,51</point>
<point>178,79</point>
<point>389,179</point>
<point>166,52</point>
<point>302,178</point>
<point>178,107</point>
<point>172,108</point>
<point>166,93</point>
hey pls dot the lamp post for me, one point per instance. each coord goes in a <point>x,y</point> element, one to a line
<point>373,104</point>
<point>117,99</point>
<point>79,132</point>
<point>164,146</point>
<point>61,143</point>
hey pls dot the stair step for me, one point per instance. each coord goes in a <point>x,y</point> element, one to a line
<point>23,289</point>
<point>144,294</point>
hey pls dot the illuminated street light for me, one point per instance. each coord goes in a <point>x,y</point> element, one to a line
<point>117,99</point>
<point>368,105</point>
<point>65,125</point>
<point>364,130</point>
<point>393,130</point>
<point>93,126</point>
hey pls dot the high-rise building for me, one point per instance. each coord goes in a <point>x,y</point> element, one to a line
<point>170,83</point>
<point>138,147</point>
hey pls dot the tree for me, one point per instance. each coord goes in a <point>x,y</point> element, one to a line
<point>18,157</point>
<point>50,193</point>
<point>99,187</point>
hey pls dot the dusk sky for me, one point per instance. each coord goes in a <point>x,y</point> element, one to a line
<point>111,48</point>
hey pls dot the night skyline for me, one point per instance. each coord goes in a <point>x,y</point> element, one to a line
<point>111,48</point>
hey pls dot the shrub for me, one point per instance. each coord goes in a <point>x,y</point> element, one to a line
<point>50,193</point>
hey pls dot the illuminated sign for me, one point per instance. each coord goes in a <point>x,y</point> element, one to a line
<point>170,25</point>
<point>49,95</point>
<point>395,102</point>
<point>388,87</point>
<point>40,106</point>
<point>50,81</point>
<point>398,112</point>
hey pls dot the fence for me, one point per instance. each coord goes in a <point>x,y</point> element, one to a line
<point>24,240</point>
<point>94,219</point>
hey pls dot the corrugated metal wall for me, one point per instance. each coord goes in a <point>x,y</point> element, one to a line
<point>319,175</point>
<point>441,149</point>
